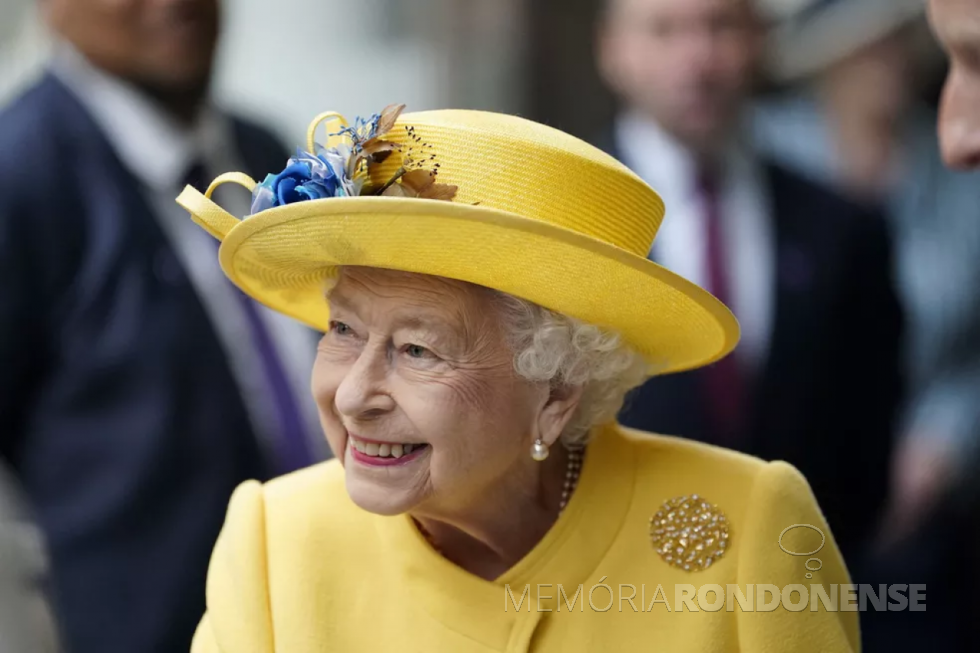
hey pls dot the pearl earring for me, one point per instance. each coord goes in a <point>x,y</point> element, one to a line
<point>539,450</point>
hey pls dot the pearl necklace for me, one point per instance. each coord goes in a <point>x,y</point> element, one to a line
<point>572,473</point>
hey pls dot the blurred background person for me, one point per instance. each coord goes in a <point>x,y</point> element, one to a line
<point>814,380</point>
<point>957,24</point>
<point>858,124</point>
<point>862,64</point>
<point>126,410</point>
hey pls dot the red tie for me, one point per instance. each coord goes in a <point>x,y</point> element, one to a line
<point>723,383</point>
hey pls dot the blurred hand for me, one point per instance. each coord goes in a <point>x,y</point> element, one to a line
<point>923,470</point>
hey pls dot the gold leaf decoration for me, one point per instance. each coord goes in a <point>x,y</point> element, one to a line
<point>388,118</point>
<point>418,180</point>
<point>444,192</point>
<point>374,146</point>
<point>418,183</point>
<point>377,151</point>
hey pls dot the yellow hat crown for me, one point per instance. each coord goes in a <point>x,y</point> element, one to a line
<point>521,167</point>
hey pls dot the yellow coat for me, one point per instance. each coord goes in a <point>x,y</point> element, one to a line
<point>299,568</point>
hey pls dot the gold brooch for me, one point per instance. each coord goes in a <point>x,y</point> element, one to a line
<point>689,533</point>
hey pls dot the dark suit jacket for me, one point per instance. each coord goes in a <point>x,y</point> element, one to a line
<point>827,396</point>
<point>118,410</point>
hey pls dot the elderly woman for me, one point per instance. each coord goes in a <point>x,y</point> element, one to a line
<point>486,301</point>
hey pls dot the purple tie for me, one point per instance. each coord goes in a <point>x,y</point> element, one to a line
<point>292,448</point>
<point>723,383</point>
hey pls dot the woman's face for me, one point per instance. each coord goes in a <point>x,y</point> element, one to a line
<point>417,392</point>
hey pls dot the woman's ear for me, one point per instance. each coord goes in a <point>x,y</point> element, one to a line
<point>557,411</point>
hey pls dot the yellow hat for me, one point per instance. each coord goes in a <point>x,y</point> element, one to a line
<point>524,209</point>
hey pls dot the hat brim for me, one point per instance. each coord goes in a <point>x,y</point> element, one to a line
<point>283,256</point>
<point>801,50</point>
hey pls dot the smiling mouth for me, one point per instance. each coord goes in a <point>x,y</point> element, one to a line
<point>384,450</point>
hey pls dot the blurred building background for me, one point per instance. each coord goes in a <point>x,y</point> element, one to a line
<point>425,53</point>
<point>531,57</point>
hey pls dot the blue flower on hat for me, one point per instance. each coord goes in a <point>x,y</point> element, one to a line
<point>306,177</point>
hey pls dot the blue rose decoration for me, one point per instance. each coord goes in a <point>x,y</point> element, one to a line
<point>342,170</point>
<point>306,177</point>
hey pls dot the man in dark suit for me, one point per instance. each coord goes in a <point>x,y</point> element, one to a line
<point>814,380</point>
<point>137,386</point>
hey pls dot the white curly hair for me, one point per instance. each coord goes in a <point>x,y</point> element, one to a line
<point>553,348</point>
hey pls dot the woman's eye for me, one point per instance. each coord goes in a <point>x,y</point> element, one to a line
<point>340,328</point>
<point>417,351</point>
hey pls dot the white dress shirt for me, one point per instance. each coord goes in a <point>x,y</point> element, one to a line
<point>746,227</point>
<point>159,152</point>
<point>27,624</point>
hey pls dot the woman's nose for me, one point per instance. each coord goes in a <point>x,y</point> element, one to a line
<point>363,392</point>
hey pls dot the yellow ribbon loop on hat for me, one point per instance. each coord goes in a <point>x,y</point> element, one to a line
<point>234,178</point>
<point>207,213</point>
<point>328,116</point>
